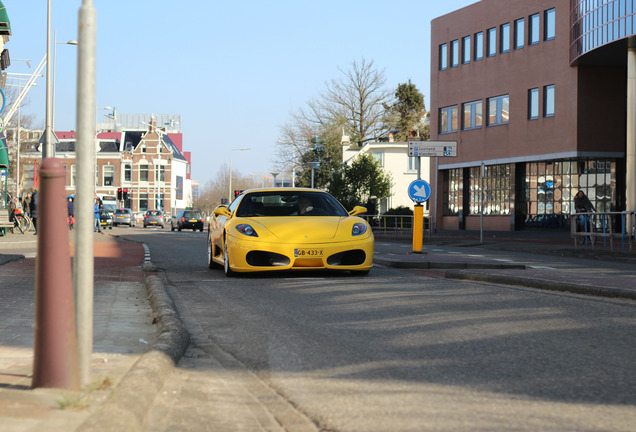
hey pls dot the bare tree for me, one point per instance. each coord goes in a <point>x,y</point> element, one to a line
<point>354,102</point>
<point>352,105</point>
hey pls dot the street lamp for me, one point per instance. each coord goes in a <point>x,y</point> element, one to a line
<point>274,174</point>
<point>229,192</point>
<point>313,166</point>
<point>71,42</point>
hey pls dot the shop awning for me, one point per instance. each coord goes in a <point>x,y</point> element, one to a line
<point>5,25</point>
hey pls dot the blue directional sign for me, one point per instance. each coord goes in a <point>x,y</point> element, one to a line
<point>419,191</point>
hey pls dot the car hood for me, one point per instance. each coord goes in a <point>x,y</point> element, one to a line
<point>300,228</point>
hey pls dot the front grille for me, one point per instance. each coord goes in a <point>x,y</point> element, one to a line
<point>266,259</point>
<point>352,257</point>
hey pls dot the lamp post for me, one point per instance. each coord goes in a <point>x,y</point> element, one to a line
<point>313,166</point>
<point>229,191</point>
<point>55,44</point>
<point>274,174</point>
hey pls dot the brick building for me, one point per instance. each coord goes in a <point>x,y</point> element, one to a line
<point>535,94</point>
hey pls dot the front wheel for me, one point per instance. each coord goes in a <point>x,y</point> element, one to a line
<point>226,261</point>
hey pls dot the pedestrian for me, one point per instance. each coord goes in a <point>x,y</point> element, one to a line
<point>26,203</point>
<point>582,203</point>
<point>33,208</point>
<point>98,224</point>
<point>71,213</point>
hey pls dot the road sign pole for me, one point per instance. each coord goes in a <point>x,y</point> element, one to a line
<point>418,228</point>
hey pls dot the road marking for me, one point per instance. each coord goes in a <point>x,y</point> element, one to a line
<point>503,259</point>
<point>542,267</point>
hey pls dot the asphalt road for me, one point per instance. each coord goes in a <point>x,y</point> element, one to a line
<point>392,351</point>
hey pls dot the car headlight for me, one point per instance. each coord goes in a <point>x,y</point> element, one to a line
<point>358,229</point>
<point>246,230</point>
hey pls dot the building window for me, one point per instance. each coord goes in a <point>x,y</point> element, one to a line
<point>520,36</point>
<point>479,46</point>
<point>96,175</point>
<point>505,38</point>
<point>443,57</point>
<point>498,110</point>
<point>492,42</point>
<point>109,175</point>
<point>143,173</point>
<point>472,115</point>
<point>448,119</point>
<point>533,31</point>
<point>533,104</point>
<point>127,172</point>
<point>160,173</point>
<point>413,163</point>
<point>144,148</point>
<point>466,50</point>
<point>454,53</point>
<point>143,201</point>
<point>548,101</point>
<point>497,190</point>
<point>550,24</point>
<point>453,192</point>
<point>73,173</point>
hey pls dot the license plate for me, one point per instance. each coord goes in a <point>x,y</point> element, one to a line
<point>153,222</point>
<point>299,253</point>
<point>120,217</point>
<point>193,220</point>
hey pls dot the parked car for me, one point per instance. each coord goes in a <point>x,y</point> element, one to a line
<point>106,219</point>
<point>289,229</point>
<point>124,216</point>
<point>154,218</point>
<point>187,219</point>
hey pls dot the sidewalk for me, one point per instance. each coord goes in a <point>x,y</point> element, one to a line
<point>124,334</point>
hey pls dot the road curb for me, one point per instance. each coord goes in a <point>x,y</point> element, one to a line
<point>441,265</point>
<point>543,284</point>
<point>131,400</point>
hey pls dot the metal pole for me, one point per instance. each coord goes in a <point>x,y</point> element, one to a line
<point>229,189</point>
<point>630,154</point>
<point>481,192</point>
<point>85,149</point>
<point>48,150</point>
<point>53,89</point>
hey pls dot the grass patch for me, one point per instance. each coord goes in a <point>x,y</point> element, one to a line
<point>80,400</point>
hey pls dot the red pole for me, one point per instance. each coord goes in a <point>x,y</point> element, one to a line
<point>55,350</point>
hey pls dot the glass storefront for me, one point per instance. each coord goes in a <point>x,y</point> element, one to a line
<point>545,190</point>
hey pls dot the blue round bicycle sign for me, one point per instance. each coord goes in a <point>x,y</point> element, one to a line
<point>419,191</point>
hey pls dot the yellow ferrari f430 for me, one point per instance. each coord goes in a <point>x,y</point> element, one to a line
<point>289,229</point>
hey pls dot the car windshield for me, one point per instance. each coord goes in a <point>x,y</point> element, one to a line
<point>153,213</point>
<point>289,203</point>
<point>192,215</point>
<point>121,211</point>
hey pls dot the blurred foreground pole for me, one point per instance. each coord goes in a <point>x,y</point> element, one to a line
<point>55,361</point>
<point>83,270</point>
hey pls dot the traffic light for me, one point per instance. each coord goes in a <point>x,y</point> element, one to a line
<point>119,194</point>
<point>125,193</point>
<point>237,193</point>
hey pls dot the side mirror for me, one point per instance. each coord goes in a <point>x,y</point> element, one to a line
<point>222,211</point>
<point>357,210</point>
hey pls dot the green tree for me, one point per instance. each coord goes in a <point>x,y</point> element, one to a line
<point>355,183</point>
<point>327,154</point>
<point>408,112</point>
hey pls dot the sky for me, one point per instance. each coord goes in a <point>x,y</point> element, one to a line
<point>233,71</point>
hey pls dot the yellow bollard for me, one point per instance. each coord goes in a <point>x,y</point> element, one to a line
<point>418,228</point>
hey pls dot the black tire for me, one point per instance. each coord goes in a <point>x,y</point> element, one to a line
<point>178,227</point>
<point>171,227</point>
<point>226,262</point>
